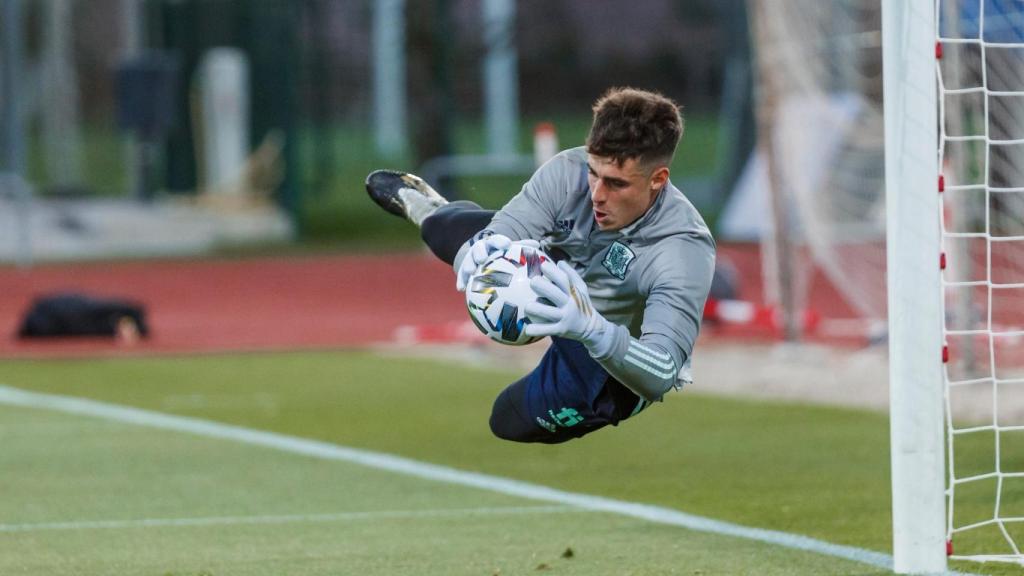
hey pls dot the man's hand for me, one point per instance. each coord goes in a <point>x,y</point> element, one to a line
<point>481,247</point>
<point>572,316</point>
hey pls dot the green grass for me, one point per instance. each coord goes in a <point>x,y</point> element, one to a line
<point>822,472</point>
<point>101,160</point>
<point>332,399</point>
<point>269,513</point>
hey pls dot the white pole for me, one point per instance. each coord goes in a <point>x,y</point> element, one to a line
<point>131,47</point>
<point>224,92</point>
<point>915,292</point>
<point>501,79</point>
<point>390,132</point>
<point>60,94</point>
<point>12,122</point>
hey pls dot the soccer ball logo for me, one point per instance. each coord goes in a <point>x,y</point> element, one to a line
<point>499,290</point>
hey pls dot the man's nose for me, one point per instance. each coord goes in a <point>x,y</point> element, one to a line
<point>597,192</point>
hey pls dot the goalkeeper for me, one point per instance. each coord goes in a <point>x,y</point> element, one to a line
<point>635,262</point>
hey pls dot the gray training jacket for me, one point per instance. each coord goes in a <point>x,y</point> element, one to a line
<point>651,278</point>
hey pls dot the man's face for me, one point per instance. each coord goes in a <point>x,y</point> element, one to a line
<point>622,193</point>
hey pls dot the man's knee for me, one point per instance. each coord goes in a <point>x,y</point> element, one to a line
<point>448,228</point>
<point>432,227</point>
<point>434,235</point>
<point>508,423</point>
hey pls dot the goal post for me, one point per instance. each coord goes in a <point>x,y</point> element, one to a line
<point>915,297</point>
<point>896,136</point>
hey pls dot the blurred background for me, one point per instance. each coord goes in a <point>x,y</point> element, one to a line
<point>189,176</point>
<point>137,128</point>
<point>236,102</point>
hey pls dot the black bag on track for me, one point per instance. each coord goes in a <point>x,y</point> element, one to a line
<point>62,315</point>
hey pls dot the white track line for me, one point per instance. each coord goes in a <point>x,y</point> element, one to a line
<point>287,518</point>
<point>427,471</point>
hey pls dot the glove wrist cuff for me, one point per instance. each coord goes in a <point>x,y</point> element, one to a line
<point>599,338</point>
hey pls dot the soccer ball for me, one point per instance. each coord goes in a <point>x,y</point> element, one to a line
<point>499,290</point>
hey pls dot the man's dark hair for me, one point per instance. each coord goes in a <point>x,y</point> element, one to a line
<point>631,123</point>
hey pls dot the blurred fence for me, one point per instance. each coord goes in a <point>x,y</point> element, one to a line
<point>311,73</point>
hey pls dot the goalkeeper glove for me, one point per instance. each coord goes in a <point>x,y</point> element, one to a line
<point>573,315</point>
<point>480,248</point>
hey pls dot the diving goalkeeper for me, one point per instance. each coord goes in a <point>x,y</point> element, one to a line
<point>635,262</point>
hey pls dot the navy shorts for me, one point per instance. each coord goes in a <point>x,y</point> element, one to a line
<point>566,396</point>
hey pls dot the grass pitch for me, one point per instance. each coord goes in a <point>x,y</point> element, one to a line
<point>86,496</point>
<point>112,498</point>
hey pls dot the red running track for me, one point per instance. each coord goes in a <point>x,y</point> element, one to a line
<point>238,305</point>
<point>286,303</point>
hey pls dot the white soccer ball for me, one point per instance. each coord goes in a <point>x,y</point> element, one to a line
<point>498,292</point>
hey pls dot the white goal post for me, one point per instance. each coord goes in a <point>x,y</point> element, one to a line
<point>914,287</point>
<point>893,135</point>
<point>954,163</point>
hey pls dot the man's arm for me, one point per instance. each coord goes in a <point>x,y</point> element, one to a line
<point>677,283</point>
<point>530,214</point>
<point>645,365</point>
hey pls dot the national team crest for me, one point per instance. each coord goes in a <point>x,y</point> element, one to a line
<point>618,259</point>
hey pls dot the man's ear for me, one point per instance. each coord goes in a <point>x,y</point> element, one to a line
<point>659,177</point>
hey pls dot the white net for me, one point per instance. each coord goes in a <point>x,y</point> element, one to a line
<point>820,109</point>
<point>980,55</point>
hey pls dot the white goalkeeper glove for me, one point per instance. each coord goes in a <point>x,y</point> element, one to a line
<point>572,316</point>
<point>480,248</point>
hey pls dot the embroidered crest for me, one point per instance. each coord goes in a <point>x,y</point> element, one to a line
<point>566,225</point>
<point>618,259</point>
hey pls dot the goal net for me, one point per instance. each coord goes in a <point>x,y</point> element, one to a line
<point>820,102</point>
<point>980,56</point>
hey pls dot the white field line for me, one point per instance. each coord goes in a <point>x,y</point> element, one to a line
<point>287,518</point>
<point>428,471</point>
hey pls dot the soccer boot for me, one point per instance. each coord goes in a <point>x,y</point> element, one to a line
<point>403,194</point>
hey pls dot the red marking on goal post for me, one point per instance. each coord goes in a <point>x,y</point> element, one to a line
<point>938,50</point>
<point>949,547</point>
<point>942,261</point>
<point>942,183</point>
<point>945,353</point>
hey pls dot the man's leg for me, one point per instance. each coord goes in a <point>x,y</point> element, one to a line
<point>568,395</point>
<point>448,227</point>
<point>403,194</point>
<point>445,226</point>
<point>508,418</point>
